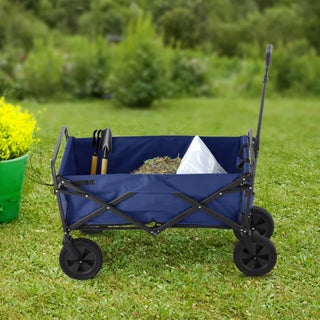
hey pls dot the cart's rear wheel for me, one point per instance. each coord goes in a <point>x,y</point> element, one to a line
<point>87,265</point>
<point>261,221</point>
<point>255,256</point>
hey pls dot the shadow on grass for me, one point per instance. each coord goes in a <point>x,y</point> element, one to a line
<point>136,252</point>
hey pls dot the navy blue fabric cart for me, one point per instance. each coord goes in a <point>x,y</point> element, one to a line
<point>155,202</point>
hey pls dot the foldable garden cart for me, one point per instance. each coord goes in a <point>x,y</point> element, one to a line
<point>154,202</point>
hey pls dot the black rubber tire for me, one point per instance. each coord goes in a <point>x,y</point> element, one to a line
<point>261,261</point>
<point>89,263</point>
<point>261,221</point>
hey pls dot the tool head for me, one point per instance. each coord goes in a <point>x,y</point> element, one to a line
<point>98,140</point>
<point>106,142</point>
<point>94,138</point>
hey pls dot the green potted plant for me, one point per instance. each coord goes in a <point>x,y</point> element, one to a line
<point>16,136</point>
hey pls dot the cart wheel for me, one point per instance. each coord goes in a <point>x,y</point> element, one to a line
<point>255,256</point>
<point>89,263</point>
<point>261,221</point>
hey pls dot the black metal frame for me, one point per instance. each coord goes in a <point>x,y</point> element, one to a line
<point>244,184</point>
<point>64,186</point>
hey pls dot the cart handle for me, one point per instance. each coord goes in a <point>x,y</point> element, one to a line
<point>265,80</point>
<point>63,132</point>
<point>255,142</point>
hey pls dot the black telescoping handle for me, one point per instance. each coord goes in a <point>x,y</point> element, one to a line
<point>268,55</point>
<point>256,140</point>
<point>265,80</point>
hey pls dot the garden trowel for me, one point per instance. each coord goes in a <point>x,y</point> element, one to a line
<point>106,147</point>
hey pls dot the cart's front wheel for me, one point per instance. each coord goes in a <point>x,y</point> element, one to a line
<point>261,221</point>
<point>255,256</point>
<point>87,265</point>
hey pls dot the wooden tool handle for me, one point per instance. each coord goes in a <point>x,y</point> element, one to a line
<point>94,162</point>
<point>104,165</point>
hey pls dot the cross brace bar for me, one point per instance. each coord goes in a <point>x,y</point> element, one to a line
<point>240,184</point>
<point>105,206</point>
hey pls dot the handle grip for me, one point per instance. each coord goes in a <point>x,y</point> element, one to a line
<point>104,165</point>
<point>268,55</point>
<point>94,162</point>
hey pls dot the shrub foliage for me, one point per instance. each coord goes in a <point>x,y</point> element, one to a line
<point>16,131</point>
<point>139,74</point>
<point>62,47</point>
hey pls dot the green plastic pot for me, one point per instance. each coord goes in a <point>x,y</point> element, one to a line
<point>11,181</point>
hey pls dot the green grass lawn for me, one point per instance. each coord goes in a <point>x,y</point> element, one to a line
<point>185,273</point>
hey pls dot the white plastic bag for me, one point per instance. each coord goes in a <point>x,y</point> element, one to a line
<point>199,159</point>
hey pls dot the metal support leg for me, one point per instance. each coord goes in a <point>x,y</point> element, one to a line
<point>67,243</point>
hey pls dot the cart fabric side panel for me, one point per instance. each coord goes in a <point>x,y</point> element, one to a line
<point>153,200</point>
<point>129,153</point>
